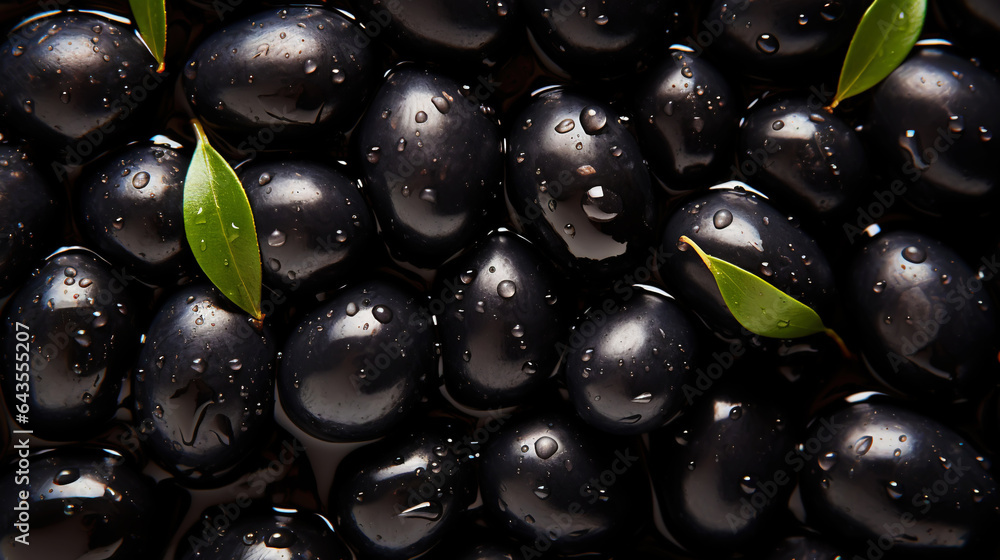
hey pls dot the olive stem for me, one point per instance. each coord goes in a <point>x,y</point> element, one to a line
<point>840,343</point>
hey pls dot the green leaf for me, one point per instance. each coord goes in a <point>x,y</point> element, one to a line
<point>881,42</point>
<point>759,306</point>
<point>151,17</point>
<point>219,226</point>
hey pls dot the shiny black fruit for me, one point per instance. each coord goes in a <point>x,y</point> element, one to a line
<point>889,480</point>
<point>629,360</point>
<point>313,227</point>
<point>500,322</point>
<point>578,185</point>
<point>780,39</point>
<point>69,341</point>
<point>810,158</point>
<point>599,40</point>
<point>397,498</point>
<point>76,82</point>
<point>744,229</point>
<point>432,161</point>
<point>926,322</point>
<point>78,503</point>
<point>288,76</point>
<point>686,119</point>
<point>554,483</point>
<point>353,369</point>
<point>724,471</point>
<point>261,534</point>
<point>933,119</point>
<point>130,206</point>
<point>29,216</point>
<point>443,30</point>
<point>203,386</point>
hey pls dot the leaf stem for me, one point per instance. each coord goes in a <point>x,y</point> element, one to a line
<point>697,249</point>
<point>840,343</point>
<point>199,131</point>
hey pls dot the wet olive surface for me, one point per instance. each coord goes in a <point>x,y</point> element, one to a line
<point>80,346</point>
<point>486,341</point>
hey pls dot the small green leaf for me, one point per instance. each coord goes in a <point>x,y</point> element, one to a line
<point>884,37</point>
<point>219,226</point>
<point>759,306</point>
<point>151,17</point>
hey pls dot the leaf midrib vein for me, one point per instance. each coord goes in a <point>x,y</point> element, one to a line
<point>222,227</point>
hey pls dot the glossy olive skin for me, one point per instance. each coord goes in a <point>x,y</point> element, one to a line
<point>82,339</point>
<point>723,472</point>
<point>926,323</point>
<point>82,503</point>
<point>757,238</point>
<point>501,322</point>
<point>597,40</point>
<point>577,185</point>
<point>82,96</point>
<point>353,369</point>
<point>938,138</point>
<point>203,386</point>
<point>883,470</point>
<point>261,534</point>
<point>547,477</point>
<point>284,77</point>
<point>130,205</point>
<point>780,38</point>
<point>30,208</point>
<point>445,31</point>
<point>806,548</point>
<point>313,226</point>
<point>398,497</point>
<point>803,154</point>
<point>626,369</point>
<point>432,162</point>
<point>687,139</point>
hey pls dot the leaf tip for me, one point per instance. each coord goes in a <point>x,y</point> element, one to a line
<point>161,67</point>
